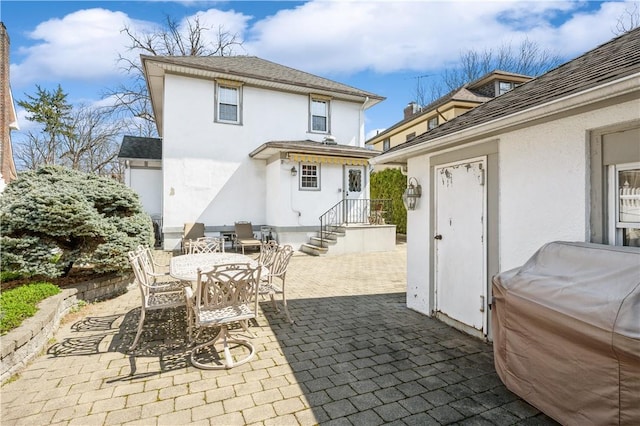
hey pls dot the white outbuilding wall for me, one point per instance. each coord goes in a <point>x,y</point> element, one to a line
<point>543,193</point>
<point>147,183</point>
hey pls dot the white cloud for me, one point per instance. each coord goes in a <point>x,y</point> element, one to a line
<point>84,45</point>
<point>347,37</point>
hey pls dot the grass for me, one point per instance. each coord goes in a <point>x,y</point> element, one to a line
<point>20,303</point>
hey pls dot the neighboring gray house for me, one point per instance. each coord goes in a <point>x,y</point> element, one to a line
<point>557,158</point>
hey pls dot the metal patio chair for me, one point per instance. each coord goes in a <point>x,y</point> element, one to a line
<point>225,295</point>
<point>154,295</point>
<point>277,269</point>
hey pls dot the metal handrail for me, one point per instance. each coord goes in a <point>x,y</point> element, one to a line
<point>369,211</point>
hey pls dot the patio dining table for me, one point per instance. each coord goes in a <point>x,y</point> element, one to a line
<point>185,267</point>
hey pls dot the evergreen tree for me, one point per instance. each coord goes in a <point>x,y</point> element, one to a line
<point>52,111</point>
<point>54,217</point>
<point>391,183</point>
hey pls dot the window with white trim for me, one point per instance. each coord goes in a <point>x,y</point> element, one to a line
<point>310,176</point>
<point>504,87</point>
<point>624,204</point>
<point>228,103</point>
<point>319,115</point>
<point>432,123</point>
<point>386,144</point>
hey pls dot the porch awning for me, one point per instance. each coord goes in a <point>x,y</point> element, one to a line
<point>312,158</point>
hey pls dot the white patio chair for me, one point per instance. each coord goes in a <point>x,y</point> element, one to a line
<point>191,231</point>
<point>158,280</point>
<point>277,269</point>
<point>267,254</point>
<point>154,296</point>
<point>204,245</point>
<point>224,295</point>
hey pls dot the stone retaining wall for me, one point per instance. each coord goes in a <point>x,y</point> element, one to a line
<point>20,345</point>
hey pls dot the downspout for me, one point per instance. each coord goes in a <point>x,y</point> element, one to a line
<point>361,134</point>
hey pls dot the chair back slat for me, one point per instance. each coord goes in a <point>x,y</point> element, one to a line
<point>281,261</point>
<point>268,252</point>
<point>227,285</point>
<point>137,265</point>
<point>204,245</point>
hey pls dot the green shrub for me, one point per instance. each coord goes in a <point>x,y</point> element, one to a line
<point>20,303</point>
<point>55,217</point>
<point>391,183</point>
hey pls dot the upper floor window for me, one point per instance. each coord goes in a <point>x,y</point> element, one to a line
<point>386,144</point>
<point>319,115</point>
<point>504,87</point>
<point>309,176</point>
<point>432,123</point>
<point>228,103</point>
<point>410,136</point>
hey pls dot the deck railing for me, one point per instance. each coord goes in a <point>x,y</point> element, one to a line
<point>345,212</point>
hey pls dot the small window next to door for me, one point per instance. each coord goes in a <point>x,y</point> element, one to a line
<point>310,177</point>
<point>626,204</point>
<point>355,180</point>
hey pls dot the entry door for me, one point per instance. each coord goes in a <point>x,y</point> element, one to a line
<point>355,207</point>
<point>460,247</point>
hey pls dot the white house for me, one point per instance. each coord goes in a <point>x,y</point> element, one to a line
<point>245,139</point>
<point>557,158</point>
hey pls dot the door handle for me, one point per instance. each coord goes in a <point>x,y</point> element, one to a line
<point>437,237</point>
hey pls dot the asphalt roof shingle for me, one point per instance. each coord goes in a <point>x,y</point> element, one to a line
<point>261,69</point>
<point>141,148</point>
<point>618,58</point>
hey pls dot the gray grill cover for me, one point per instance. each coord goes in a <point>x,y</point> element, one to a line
<point>566,332</point>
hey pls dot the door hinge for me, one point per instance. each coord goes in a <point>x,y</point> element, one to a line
<point>481,303</point>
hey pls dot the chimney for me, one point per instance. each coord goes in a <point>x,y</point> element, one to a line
<point>411,109</point>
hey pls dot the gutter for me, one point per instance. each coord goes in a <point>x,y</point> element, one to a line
<point>620,87</point>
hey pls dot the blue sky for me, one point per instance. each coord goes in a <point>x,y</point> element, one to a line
<point>378,46</point>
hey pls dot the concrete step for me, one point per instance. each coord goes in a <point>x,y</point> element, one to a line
<point>330,235</point>
<point>313,250</point>
<point>326,242</point>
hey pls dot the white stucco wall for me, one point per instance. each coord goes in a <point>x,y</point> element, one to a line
<point>147,183</point>
<point>208,175</point>
<point>418,240</point>
<point>543,193</point>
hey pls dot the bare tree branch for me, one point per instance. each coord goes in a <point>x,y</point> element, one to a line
<point>629,20</point>
<point>173,39</point>
<point>528,59</point>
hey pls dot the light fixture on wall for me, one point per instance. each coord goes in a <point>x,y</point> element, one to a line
<point>411,194</point>
<point>294,171</point>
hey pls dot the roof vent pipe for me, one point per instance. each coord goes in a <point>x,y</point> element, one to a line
<point>329,140</point>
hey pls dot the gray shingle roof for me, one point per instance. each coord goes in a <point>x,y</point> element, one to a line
<point>261,69</point>
<point>308,146</point>
<point>618,58</point>
<point>140,148</point>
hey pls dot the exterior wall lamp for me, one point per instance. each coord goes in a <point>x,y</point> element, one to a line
<point>294,171</point>
<point>411,194</point>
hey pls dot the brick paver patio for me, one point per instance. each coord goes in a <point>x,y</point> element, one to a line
<point>355,356</point>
